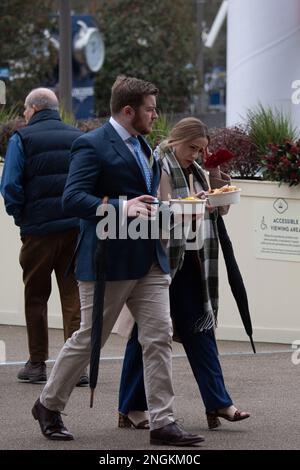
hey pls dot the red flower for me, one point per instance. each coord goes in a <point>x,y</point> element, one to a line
<point>273,147</point>
<point>220,156</point>
<point>282,163</point>
<point>285,161</point>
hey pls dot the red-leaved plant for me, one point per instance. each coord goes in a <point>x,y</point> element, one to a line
<point>6,131</point>
<point>282,163</point>
<point>246,161</point>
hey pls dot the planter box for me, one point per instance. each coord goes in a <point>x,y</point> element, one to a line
<point>12,291</point>
<point>265,232</point>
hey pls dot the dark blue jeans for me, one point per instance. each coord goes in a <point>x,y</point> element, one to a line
<point>132,391</point>
<point>202,353</point>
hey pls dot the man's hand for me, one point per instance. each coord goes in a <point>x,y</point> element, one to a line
<point>141,207</point>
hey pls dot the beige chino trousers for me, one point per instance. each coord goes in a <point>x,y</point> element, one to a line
<point>148,301</point>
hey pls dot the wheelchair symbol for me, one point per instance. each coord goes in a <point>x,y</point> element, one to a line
<point>263,224</point>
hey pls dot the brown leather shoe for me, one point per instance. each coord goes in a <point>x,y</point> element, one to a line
<point>51,424</point>
<point>174,435</point>
<point>127,421</point>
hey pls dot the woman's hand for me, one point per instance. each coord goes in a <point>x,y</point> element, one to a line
<point>205,155</point>
<point>200,195</point>
<point>213,172</point>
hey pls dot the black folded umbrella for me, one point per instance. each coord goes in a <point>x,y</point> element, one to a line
<point>98,306</point>
<point>97,321</point>
<point>235,279</point>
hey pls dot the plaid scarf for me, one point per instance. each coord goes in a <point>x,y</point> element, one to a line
<point>208,254</point>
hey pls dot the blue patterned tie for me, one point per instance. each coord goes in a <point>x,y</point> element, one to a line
<point>142,160</point>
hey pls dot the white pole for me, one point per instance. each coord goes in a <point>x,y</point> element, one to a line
<point>217,24</point>
<point>262,56</point>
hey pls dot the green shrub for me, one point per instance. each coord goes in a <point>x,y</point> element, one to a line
<point>269,126</point>
<point>7,114</point>
<point>160,130</point>
<point>67,117</point>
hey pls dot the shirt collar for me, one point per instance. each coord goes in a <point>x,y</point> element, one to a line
<point>123,133</point>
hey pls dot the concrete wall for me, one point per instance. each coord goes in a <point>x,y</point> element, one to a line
<point>11,284</point>
<point>272,284</point>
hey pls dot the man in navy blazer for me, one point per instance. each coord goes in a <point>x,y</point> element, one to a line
<point>111,163</point>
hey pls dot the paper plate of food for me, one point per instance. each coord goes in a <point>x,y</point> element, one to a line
<point>188,205</point>
<point>223,196</point>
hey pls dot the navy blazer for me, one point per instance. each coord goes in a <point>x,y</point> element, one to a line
<point>102,165</point>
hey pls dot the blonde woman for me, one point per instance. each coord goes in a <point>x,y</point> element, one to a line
<point>194,288</point>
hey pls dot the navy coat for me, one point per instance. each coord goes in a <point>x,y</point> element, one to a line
<point>102,165</point>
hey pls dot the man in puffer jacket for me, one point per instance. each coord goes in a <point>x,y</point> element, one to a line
<point>34,176</point>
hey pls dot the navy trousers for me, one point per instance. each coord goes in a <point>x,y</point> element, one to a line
<point>202,353</point>
<point>132,391</point>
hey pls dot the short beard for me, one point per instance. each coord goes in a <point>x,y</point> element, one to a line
<point>136,124</point>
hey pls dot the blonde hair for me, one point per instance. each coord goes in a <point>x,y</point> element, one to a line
<point>186,130</point>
